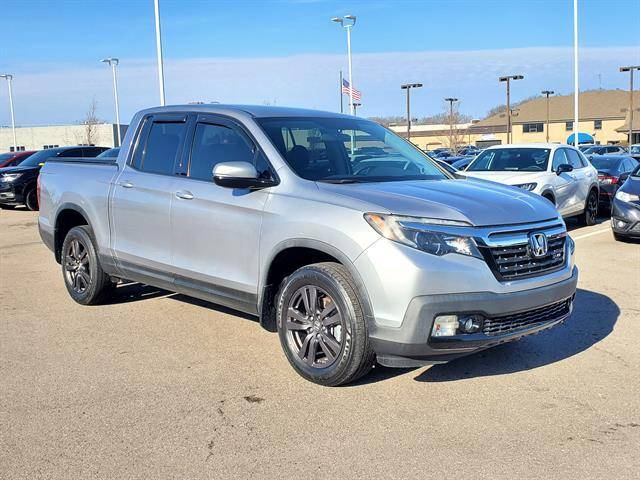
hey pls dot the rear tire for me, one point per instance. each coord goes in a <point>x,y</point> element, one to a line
<point>83,276</point>
<point>321,325</point>
<point>31,200</point>
<point>590,215</point>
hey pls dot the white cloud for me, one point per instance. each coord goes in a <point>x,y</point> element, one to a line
<point>61,93</point>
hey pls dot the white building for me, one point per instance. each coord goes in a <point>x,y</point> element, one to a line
<point>50,136</point>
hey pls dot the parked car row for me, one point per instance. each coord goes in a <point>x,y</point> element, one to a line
<point>19,177</point>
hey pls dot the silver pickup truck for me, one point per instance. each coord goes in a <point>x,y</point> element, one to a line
<point>334,231</point>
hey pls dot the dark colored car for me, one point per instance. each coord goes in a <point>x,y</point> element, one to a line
<point>613,170</point>
<point>13,159</point>
<point>625,210</point>
<point>463,162</point>
<point>634,151</point>
<point>446,166</point>
<point>111,153</point>
<point>605,150</point>
<point>469,150</point>
<point>18,185</point>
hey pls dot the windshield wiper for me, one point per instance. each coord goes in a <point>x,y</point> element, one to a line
<point>341,180</point>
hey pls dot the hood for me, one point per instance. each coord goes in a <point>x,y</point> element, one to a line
<point>17,169</point>
<point>508,178</point>
<point>474,201</point>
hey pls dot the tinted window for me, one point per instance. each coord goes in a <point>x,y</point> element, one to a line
<point>511,159</point>
<point>93,151</point>
<point>163,147</point>
<point>72,152</point>
<point>559,158</point>
<point>606,163</point>
<point>213,144</point>
<point>574,158</point>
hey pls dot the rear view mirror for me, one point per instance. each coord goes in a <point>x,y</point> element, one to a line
<point>239,175</point>
<point>563,168</point>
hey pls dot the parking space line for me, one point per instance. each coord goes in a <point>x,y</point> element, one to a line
<point>592,233</point>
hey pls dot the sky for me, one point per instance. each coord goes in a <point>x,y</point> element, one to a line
<point>288,52</point>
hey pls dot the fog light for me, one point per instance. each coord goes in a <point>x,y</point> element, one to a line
<point>445,326</point>
<point>470,324</point>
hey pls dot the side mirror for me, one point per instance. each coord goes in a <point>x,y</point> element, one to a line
<point>563,168</point>
<point>239,175</point>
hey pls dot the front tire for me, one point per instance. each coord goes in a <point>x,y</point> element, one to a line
<point>321,325</point>
<point>83,276</point>
<point>590,215</point>
<point>31,200</point>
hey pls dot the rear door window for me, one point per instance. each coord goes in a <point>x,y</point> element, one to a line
<point>163,147</point>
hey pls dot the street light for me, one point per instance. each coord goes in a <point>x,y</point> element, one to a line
<point>408,87</point>
<point>630,69</point>
<point>113,62</point>
<point>348,21</point>
<point>451,100</point>
<point>508,79</point>
<point>355,107</point>
<point>156,9</point>
<point>13,120</point>
<point>547,93</point>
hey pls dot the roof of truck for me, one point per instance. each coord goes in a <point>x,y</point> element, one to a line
<point>257,111</point>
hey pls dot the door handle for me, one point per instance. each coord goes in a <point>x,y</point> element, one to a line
<point>185,195</point>
<point>126,184</point>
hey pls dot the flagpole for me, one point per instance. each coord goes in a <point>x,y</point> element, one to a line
<point>340,85</point>
<point>350,70</point>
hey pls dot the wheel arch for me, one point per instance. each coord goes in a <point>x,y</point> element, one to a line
<point>548,193</point>
<point>292,254</point>
<point>69,215</point>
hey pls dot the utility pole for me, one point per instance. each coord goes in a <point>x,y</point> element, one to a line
<point>508,79</point>
<point>348,21</point>
<point>408,87</point>
<point>113,62</point>
<point>156,8</point>
<point>9,79</point>
<point>576,85</point>
<point>340,85</point>
<point>451,100</point>
<point>630,69</point>
<point>547,93</point>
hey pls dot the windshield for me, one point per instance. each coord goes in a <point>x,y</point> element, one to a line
<point>636,172</point>
<point>634,149</point>
<point>346,150</point>
<point>39,157</point>
<point>605,163</point>
<point>511,159</point>
<point>595,150</point>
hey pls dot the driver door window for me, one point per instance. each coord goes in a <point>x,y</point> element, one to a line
<point>559,158</point>
<point>213,144</point>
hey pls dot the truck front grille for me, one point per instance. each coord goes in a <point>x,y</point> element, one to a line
<point>517,321</point>
<point>515,261</point>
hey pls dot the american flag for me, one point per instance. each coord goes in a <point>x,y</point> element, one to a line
<point>346,89</point>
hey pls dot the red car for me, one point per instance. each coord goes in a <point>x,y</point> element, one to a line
<point>13,159</point>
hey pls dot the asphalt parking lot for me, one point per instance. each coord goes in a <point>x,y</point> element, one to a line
<point>156,385</point>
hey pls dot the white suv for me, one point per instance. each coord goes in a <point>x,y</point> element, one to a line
<point>560,173</point>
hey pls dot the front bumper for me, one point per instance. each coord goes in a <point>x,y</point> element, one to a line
<point>629,214</point>
<point>413,341</point>
<point>9,195</point>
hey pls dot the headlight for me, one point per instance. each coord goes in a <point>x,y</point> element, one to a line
<point>415,232</point>
<point>527,186</point>
<point>10,177</point>
<point>627,197</point>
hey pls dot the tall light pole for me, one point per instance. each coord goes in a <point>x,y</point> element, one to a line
<point>508,79</point>
<point>13,119</point>
<point>451,100</point>
<point>630,69</point>
<point>348,21</point>
<point>408,87</point>
<point>113,62</point>
<point>355,107</point>
<point>156,8</point>
<point>547,93</point>
<point>576,85</point>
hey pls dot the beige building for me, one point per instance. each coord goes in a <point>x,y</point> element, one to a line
<point>50,136</point>
<point>604,114</point>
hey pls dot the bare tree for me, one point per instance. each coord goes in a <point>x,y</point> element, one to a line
<point>90,122</point>
<point>452,116</point>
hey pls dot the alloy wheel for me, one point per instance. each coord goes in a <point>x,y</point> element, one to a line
<point>592,208</point>
<point>315,327</point>
<point>76,266</point>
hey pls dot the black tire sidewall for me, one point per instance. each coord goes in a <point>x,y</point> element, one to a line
<point>90,295</point>
<point>31,200</point>
<point>586,216</point>
<point>314,276</point>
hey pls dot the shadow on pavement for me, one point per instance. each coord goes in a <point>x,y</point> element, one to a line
<point>134,292</point>
<point>593,318</point>
<point>574,223</point>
